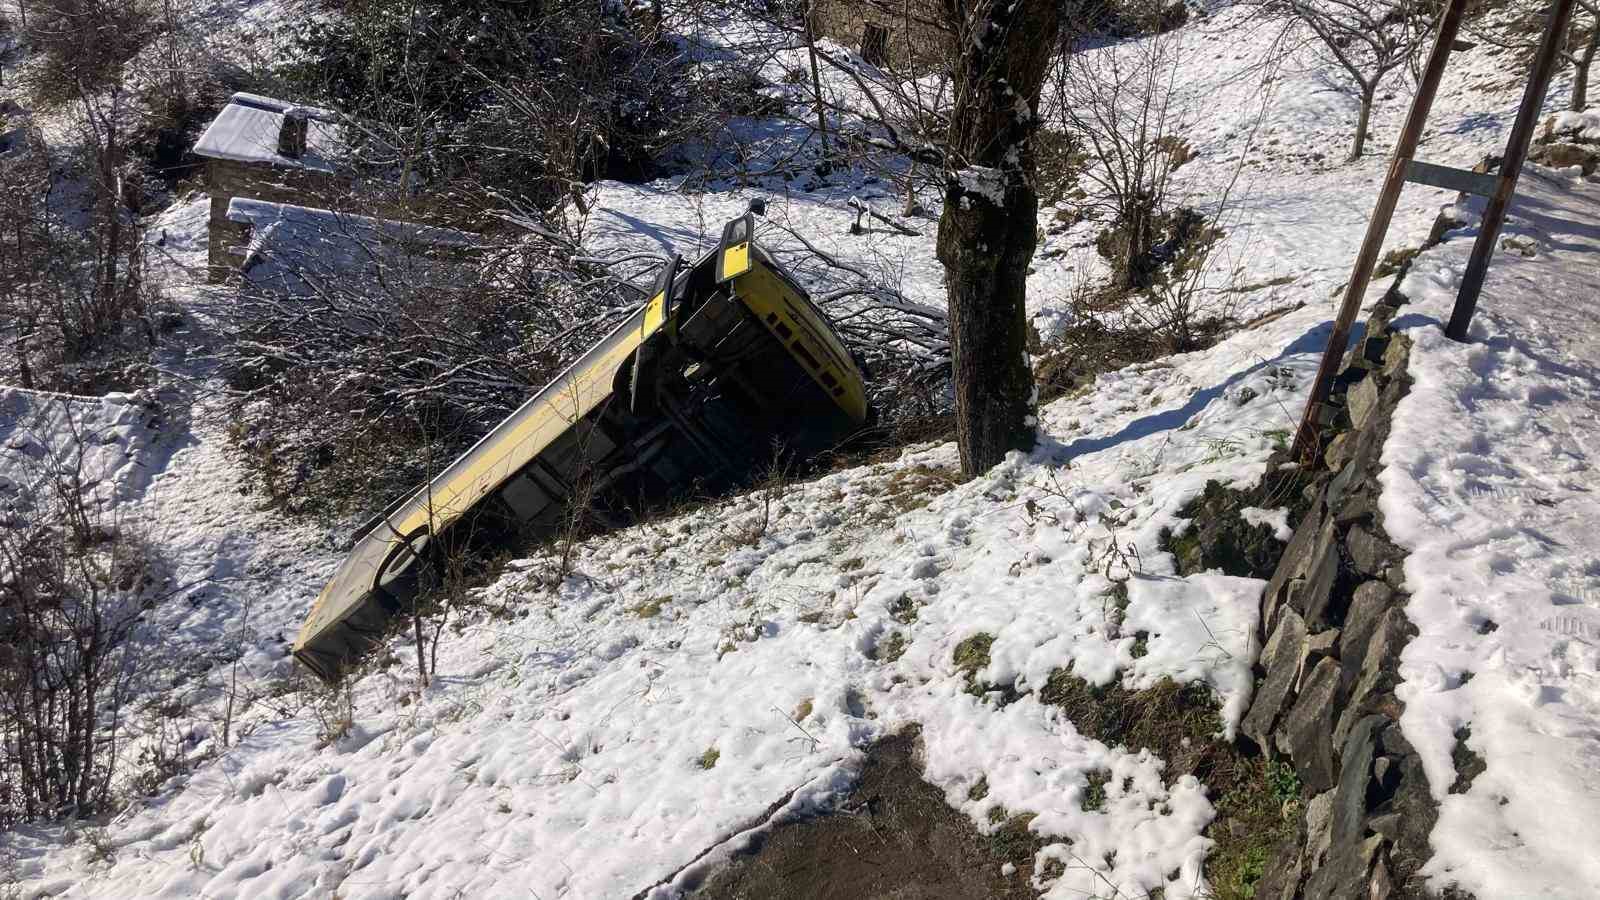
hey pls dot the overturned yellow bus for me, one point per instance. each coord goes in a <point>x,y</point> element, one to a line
<point>727,359</point>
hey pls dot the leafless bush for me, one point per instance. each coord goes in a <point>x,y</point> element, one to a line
<point>74,585</point>
<point>333,708</point>
<point>770,488</point>
<point>1119,108</point>
<point>356,357</point>
<point>74,304</point>
<point>1119,114</point>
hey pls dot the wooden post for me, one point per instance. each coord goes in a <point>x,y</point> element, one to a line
<point>1494,215</point>
<point>1378,226</point>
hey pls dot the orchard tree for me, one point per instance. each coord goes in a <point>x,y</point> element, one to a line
<point>1367,39</point>
<point>1580,49</point>
<point>989,226</point>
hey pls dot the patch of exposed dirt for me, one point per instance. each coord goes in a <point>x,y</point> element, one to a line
<point>893,838</point>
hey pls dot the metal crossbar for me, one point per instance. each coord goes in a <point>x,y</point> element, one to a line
<point>1419,172</point>
<point>1498,188</point>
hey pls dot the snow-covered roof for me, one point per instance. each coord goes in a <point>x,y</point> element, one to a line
<point>247,131</point>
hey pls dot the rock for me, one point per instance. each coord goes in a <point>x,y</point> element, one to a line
<point>1395,578</point>
<point>1442,224</point>
<point>1283,647</point>
<point>1345,874</point>
<point>1415,813</point>
<point>1306,733</point>
<point>1316,601</point>
<point>1281,881</point>
<point>1362,400</point>
<point>1392,741</point>
<point>1377,677</point>
<point>1338,451</point>
<point>1281,659</point>
<point>1321,645</point>
<point>1355,765</point>
<point>1560,155</point>
<point>1469,764</point>
<point>1370,553</point>
<point>1378,321</point>
<point>1397,354</point>
<point>1319,821</point>
<point>1349,476</point>
<point>1357,506</point>
<point>1387,825</point>
<point>1371,598</point>
<point>1380,886</point>
<point>1291,565</point>
<point>1525,247</point>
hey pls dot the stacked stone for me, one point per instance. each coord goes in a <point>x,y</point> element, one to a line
<point>1565,142</point>
<point>1333,623</point>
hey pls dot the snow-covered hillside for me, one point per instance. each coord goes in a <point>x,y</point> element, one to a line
<point>698,675</point>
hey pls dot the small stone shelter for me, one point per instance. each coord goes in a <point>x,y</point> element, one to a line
<point>266,149</point>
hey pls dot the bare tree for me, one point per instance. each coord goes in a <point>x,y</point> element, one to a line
<point>1367,39</point>
<point>1518,27</point>
<point>1580,49</point>
<point>988,230</point>
<point>1120,106</point>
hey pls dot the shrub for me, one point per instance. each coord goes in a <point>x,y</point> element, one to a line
<point>72,596</point>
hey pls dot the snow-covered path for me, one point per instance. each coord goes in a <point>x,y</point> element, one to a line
<point>252,569</point>
<point>1491,484</point>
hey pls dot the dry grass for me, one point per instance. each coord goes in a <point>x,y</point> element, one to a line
<point>913,487</point>
<point>708,759</point>
<point>972,656</point>
<point>651,608</point>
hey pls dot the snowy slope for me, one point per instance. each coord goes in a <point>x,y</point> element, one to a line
<point>1490,483</point>
<point>564,750</point>
<point>575,731</point>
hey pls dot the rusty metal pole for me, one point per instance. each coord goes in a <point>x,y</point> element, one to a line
<point>1378,226</point>
<point>1494,215</point>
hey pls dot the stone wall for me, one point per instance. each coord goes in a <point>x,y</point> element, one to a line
<point>1333,625</point>
<point>226,179</point>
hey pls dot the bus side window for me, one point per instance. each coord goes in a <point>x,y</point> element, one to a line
<point>525,497</point>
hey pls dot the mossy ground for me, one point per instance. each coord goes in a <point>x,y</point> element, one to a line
<point>1218,538</point>
<point>1256,801</point>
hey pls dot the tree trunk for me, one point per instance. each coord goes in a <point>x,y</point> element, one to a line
<point>1360,145</point>
<point>1580,71</point>
<point>1139,238</point>
<point>989,227</point>
<point>824,166</point>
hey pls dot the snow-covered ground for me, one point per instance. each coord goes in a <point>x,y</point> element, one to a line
<point>595,739</point>
<point>1490,483</point>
